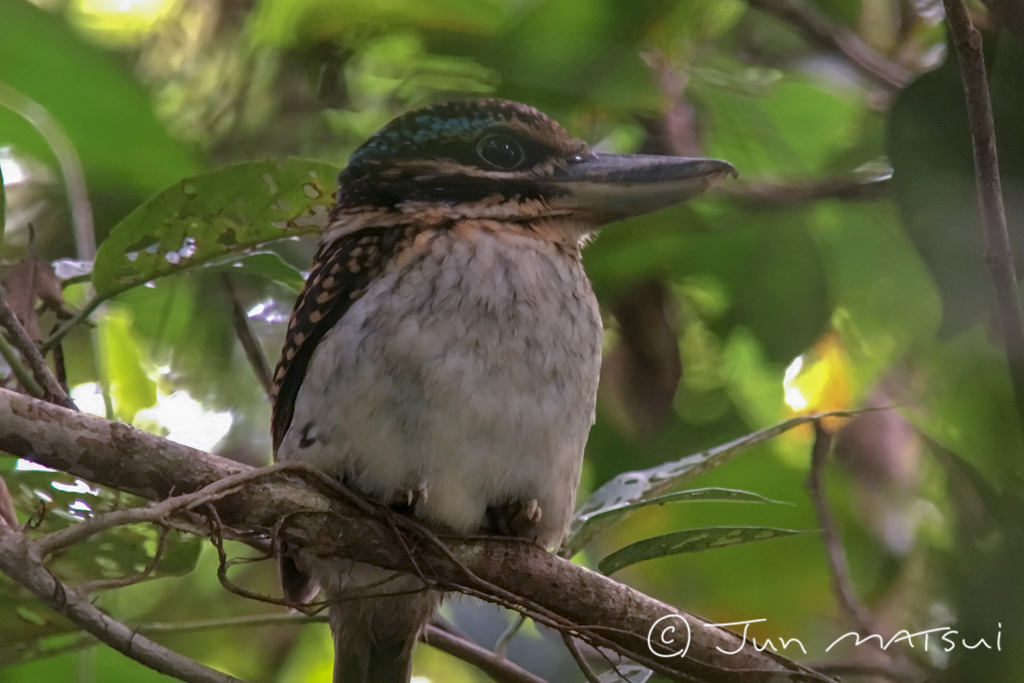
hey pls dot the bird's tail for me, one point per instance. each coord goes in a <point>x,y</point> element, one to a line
<point>385,662</point>
<point>374,637</point>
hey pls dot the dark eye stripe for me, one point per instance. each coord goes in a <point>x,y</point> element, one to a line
<point>454,189</point>
<point>463,151</point>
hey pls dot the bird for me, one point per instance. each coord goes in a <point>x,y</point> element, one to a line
<point>443,356</point>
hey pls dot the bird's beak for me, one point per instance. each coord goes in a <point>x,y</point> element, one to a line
<point>616,186</point>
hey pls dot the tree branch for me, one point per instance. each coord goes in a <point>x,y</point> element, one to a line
<point>52,389</point>
<point>998,253</point>
<point>251,345</point>
<point>497,667</point>
<point>20,560</point>
<point>840,570</point>
<point>509,572</point>
<point>821,30</point>
<point>581,662</point>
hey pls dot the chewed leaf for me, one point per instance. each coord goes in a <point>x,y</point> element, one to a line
<point>619,494</point>
<point>690,496</point>
<point>690,541</point>
<point>626,672</point>
<point>213,215</point>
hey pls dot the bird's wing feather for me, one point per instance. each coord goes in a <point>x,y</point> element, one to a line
<point>341,271</point>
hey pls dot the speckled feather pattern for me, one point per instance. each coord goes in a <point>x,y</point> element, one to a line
<point>341,271</point>
<point>447,342</point>
<point>468,369</point>
<point>436,126</point>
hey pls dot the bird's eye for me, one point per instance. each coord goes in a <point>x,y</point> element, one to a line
<point>501,151</point>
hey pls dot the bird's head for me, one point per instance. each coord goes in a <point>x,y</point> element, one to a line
<point>501,160</point>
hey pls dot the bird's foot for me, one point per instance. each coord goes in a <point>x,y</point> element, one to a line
<point>517,518</point>
<point>406,500</point>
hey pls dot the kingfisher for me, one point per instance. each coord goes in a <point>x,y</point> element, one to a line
<point>443,356</point>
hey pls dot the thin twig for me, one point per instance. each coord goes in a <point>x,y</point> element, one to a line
<point>88,587</point>
<point>497,667</point>
<point>158,512</point>
<point>501,646</point>
<point>494,665</point>
<point>577,656</point>
<point>251,345</point>
<point>998,252</point>
<point>54,393</point>
<point>223,564</point>
<point>821,30</point>
<point>21,373</point>
<point>279,619</point>
<point>841,583</point>
<point>7,514</point>
<point>20,561</point>
<point>71,323</point>
<point>513,573</point>
<point>849,188</point>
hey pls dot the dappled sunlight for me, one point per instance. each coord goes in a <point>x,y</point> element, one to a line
<point>89,399</point>
<point>177,416</point>
<point>185,421</point>
<point>12,171</point>
<point>121,23</point>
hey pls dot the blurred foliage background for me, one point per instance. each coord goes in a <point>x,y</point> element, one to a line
<point>843,270</point>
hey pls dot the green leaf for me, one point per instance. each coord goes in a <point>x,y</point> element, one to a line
<point>792,128</point>
<point>619,497</point>
<point>266,264</point>
<point>120,142</point>
<point>212,215</point>
<point>712,494</point>
<point>690,541</point>
<point>121,359</point>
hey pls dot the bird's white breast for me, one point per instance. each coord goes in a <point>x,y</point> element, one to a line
<point>469,368</point>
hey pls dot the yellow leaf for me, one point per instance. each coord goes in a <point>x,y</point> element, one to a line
<point>819,381</point>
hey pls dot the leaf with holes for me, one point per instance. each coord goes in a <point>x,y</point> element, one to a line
<point>628,672</point>
<point>212,215</point>
<point>720,495</point>
<point>266,264</point>
<point>690,541</point>
<point>617,498</point>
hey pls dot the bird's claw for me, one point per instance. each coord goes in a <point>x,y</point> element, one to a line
<point>408,499</point>
<point>517,518</point>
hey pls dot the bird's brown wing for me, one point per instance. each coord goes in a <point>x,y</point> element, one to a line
<point>341,272</point>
